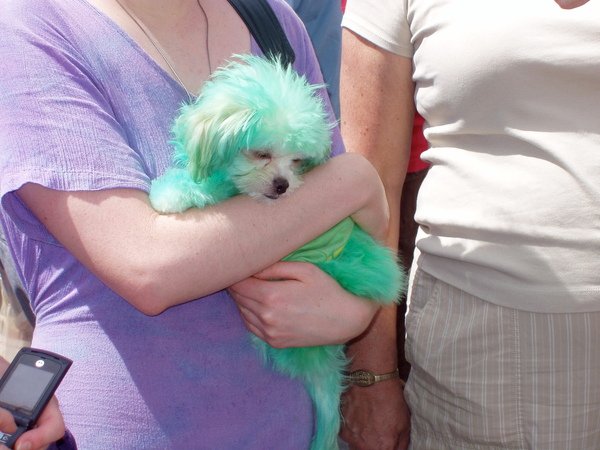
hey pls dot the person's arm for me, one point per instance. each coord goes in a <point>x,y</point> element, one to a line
<point>377,113</point>
<point>157,261</point>
<point>50,426</point>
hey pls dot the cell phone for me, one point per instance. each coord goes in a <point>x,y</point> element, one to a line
<point>28,385</point>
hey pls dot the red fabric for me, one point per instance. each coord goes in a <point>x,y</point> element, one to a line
<point>418,145</point>
<point>343,5</point>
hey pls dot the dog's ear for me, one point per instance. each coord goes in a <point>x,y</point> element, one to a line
<point>207,139</point>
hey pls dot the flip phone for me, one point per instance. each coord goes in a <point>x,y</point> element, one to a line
<point>28,385</point>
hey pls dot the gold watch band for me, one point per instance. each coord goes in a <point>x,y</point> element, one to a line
<point>365,378</point>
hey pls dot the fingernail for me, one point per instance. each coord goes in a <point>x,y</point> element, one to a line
<point>23,446</point>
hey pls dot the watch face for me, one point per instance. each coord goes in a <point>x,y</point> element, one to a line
<point>362,378</point>
<point>367,378</point>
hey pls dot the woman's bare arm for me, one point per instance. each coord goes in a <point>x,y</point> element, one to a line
<point>377,114</point>
<point>157,261</point>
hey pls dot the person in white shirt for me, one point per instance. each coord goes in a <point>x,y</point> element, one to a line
<point>504,304</point>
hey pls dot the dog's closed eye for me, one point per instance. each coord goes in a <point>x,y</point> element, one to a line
<point>263,155</point>
<point>298,164</point>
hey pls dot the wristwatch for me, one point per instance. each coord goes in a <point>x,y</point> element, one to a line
<point>365,378</point>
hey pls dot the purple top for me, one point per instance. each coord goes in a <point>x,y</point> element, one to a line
<point>82,107</point>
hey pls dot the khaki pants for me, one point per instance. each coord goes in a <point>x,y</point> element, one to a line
<point>487,377</point>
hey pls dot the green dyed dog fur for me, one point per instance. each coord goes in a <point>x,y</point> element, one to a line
<point>256,103</point>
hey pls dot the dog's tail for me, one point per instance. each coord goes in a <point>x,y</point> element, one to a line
<point>321,369</point>
<point>325,391</point>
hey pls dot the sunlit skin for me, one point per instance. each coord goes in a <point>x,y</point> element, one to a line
<point>570,4</point>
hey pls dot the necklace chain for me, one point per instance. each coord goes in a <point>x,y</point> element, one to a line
<point>161,51</point>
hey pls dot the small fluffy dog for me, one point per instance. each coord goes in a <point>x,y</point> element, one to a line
<point>255,128</point>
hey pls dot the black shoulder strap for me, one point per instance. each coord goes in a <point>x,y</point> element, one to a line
<point>265,27</point>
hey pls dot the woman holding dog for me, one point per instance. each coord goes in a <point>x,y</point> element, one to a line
<point>504,311</point>
<point>138,300</point>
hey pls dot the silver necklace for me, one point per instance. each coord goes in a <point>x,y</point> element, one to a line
<point>161,51</point>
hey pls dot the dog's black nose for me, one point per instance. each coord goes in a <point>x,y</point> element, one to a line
<point>281,185</point>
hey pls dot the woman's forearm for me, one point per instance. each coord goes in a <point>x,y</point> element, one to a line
<point>157,261</point>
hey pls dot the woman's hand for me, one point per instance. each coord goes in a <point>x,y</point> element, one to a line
<point>50,428</point>
<point>294,304</point>
<point>376,417</point>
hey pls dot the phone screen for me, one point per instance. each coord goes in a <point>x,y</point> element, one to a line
<point>25,386</point>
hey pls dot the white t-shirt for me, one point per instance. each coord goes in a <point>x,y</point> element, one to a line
<point>510,91</point>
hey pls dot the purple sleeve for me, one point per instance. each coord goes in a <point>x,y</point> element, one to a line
<point>56,127</point>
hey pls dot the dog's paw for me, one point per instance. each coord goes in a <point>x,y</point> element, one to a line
<point>168,194</point>
<point>165,204</point>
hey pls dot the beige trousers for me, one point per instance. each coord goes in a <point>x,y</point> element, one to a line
<point>488,377</point>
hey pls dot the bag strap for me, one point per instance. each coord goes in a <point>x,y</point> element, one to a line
<point>264,26</point>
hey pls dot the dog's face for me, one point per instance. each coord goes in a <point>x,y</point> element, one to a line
<point>267,173</point>
<point>257,124</point>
